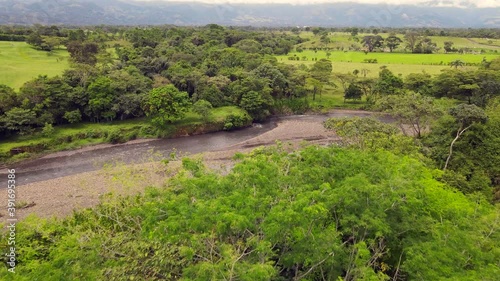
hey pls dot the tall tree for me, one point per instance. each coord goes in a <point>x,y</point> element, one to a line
<point>83,52</point>
<point>388,83</point>
<point>466,115</point>
<point>321,70</point>
<point>425,46</point>
<point>372,41</point>
<point>165,105</point>
<point>411,109</point>
<point>412,38</point>
<point>392,42</point>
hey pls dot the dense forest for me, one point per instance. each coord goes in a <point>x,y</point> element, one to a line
<point>114,70</point>
<point>415,199</point>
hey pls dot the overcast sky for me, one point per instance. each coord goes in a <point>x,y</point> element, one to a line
<point>479,3</point>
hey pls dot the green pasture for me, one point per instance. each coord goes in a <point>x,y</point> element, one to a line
<point>345,40</point>
<point>389,58</point>
<point>20,63</point>
<point>373,69</point>
<point>491,43</point>
<point>333,97</point>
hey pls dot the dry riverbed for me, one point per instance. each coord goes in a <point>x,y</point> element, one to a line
<point>59,197</point>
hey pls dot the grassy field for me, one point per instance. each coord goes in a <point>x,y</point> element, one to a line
<point>68,137</point>
<point>21,63</point>
<point>399,63</point>
<point>391,58</point>
<point>332,97</point>
<point>345,40</point>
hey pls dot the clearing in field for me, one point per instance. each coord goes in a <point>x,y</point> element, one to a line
<point>21,63</point>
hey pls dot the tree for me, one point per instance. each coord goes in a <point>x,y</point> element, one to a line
<point>354,31</point>
<point>8,99</point>
<point>425,46</point>
<point>315,86</point>
<point>353,92</point>
<point>410,109</point>
<point>83,52</point>
<point>345,79</point>
<point>19,120</point>
<point>466,115</point>
<point>448,46</point>
<point>101,99</point>
<point>73,117</point>
<point>321,70</point>
<point>47,97</point>
<point>372,41</point>
<point>35,40</point>
<point>457,63</point>
<point>392,42</point>
<point>324,38</point>
<point>203,108</point>
<point>367,86</point>
<point>365,133</point>
<point>165,105</point>
<point>254,104</point>
<point>249,46</point>
<point>412,39</point>
<point>316,30</point>
<point>365,71</point>
<point>419,82</point>
<point>388,83</point>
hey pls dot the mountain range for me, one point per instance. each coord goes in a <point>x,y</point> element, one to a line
<point>127,12</point>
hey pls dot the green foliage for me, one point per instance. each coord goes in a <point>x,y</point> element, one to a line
<point>372,134</point>
<point>388,83</point>
<point>83,52</point>
<point>73,117</point>
<point>165,105</point>
<point>101,99</point>
<point>203,108</point>
<point>255,105</point>
<point>116,136</point>
<point>8,99</point>
<point>19,120</point>
<point>353,92</point>
<point>371,42</point>
<point>393,42</point>
<point>235,121</point>
<point>48,130</point>
<point>314,214</point>
<point>321,70</point>
<point>467,144</point>
<point>425,46</point>
<point>410,110</point>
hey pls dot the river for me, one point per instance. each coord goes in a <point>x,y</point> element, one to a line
<point>85,160</point>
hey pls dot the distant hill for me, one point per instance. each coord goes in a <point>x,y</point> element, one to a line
<point>126,12</point>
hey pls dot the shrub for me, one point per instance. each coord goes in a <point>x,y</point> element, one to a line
<point>116,136</point>
<point>73,117</point>
<point>236,121</point>
<point>48,130</point>
<point>203,108</point>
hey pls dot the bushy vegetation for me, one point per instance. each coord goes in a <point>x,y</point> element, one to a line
<point>313,214</point>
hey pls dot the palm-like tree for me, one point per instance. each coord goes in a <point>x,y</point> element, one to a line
<point>457,63</point>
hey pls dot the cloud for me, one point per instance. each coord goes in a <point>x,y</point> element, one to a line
<point>437,3</point>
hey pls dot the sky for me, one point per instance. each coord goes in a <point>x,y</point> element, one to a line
<point>457,3</point>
